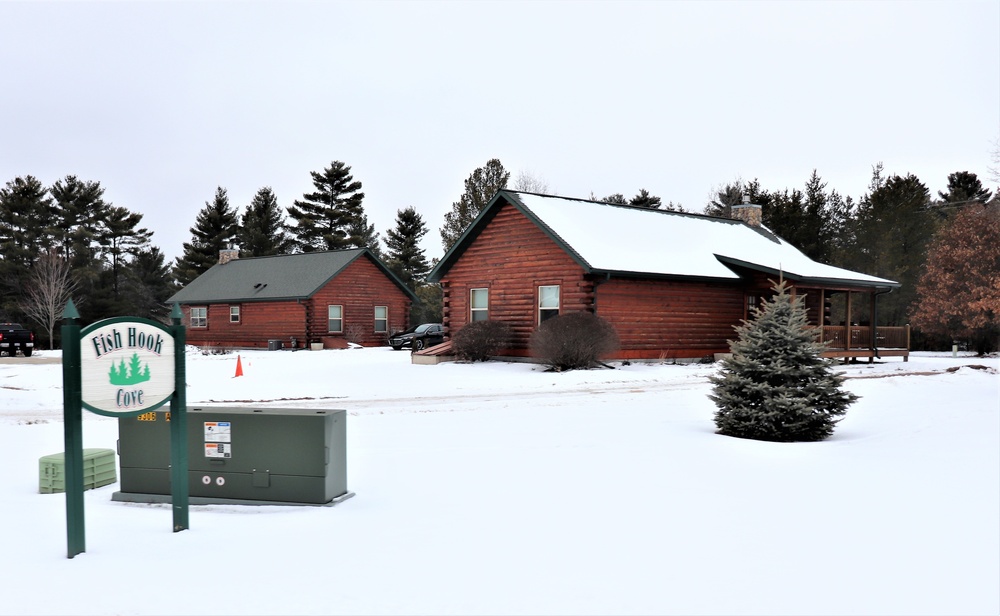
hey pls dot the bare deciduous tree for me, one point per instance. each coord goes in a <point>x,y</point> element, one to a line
<point>529,182</point>
<point>50,286</point>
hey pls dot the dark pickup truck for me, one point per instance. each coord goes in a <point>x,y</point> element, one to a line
<point>14,338</point>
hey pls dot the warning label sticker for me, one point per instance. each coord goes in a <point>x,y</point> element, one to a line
<point>218,432</point>
<point>218,450</point>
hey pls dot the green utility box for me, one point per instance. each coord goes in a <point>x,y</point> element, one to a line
<point>288,455</point>
<point>98,470</point>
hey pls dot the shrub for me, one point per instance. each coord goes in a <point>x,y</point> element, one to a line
<point>354,333</point>
<point>480,340</point>
<point>573,340</point>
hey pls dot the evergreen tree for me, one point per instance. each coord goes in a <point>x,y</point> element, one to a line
<point>958,294</point>
<point>403,253</point>
<point>644,199</point>
<point>215,229</point>
<point>25,214</point>
<point>784,213</point>
<point>325,218</point>
<point>725,198</point>
<point>964,187</point>
<point>363,235</point>
<point>79,208</point>
<point>775,386</point>
<point>893,226</point>
<point>479,189</point>
<point>615,199</point>
<point>119,235</point>
<point>262,228</point>
<point>818,231</point>
<point>427,308</point>
<point>842,228</point>
<point>150,285</point>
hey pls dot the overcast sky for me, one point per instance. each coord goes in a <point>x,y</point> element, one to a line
<point>161,102</point>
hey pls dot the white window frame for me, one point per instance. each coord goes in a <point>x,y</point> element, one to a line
<point>330,318</point>
<point>545,304</point>
<point>234,314</point>
<point>384,320</point>
<point>477,312</point>
<point>199,317</point>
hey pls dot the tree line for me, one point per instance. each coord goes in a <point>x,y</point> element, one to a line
<point>66,240</point>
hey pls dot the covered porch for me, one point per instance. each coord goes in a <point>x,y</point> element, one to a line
<point>847,319</point>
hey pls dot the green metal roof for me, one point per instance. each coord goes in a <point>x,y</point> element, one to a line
<point>281,277</point>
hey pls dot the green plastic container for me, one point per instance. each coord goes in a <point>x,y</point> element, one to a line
<point>98,470</point>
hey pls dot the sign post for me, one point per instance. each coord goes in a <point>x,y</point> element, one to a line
<point>73,431</point>
<point>122,367</point>
<point>178,428</point>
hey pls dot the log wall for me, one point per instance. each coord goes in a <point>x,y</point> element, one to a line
<point>358,288</point>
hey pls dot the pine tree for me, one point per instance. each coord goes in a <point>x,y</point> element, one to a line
<point>775,386</point>
<point>963,187</point>
<point>644,199</point>
<point>360,234</point>
<point>958,294</point>
<point>215,229</point>
<point>479,189</point>
<point>149,285</point>
<point>26,211</point>
<point>79,207</point>
<point>615,199</point>
<point>403,253</point>
<point>325,218</point>
<point>894,226</point>
<point>262,228</point>
<point>120,235</point>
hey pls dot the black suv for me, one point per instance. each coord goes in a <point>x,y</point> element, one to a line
<point>418,337</point>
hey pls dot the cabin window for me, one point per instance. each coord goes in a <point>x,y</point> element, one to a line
<point>199,316</point>
<point>548,302</point>
<point>479,305</point>
<point>234,314</point>
<point>381,319</point>
<point>753,301</point>
<point>335,319</point>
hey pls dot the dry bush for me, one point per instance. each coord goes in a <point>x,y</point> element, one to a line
<point>573,340</point>
<point>354,333</point>
<point>480,340</point>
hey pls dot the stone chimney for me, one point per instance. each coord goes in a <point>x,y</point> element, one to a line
<point>228,254</point>
<point>748,212</point>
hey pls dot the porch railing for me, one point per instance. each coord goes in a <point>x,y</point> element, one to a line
<point>860,337</point>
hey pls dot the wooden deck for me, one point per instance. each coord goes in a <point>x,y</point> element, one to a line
<point>857,341</point>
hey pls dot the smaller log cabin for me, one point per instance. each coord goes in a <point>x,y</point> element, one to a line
<point>672,284</point>
<point>329,298</point>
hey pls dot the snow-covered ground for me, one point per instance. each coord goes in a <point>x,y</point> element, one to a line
<point>500,488</point>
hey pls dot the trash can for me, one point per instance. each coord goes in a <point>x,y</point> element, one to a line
<point>273,345</point>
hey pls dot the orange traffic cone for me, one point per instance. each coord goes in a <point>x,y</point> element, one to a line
<point>239,367</point>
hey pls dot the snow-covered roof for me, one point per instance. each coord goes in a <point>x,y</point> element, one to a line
<point>617,239</point>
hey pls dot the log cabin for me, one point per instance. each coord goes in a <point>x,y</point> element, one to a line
<point>327,298</point>
<point>673,285</point>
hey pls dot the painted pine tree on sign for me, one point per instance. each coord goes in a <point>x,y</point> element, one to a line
<point>776,387</point>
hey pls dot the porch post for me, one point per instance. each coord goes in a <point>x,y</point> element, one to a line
<point>847,323</point>
<point>821,314</point>
<point>871,317</point>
